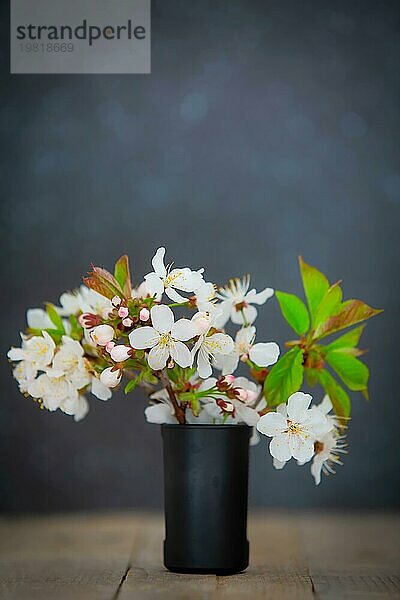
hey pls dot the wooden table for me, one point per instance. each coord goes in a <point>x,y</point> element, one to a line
<point>118,556</point>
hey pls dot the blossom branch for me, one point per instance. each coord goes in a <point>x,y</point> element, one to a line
<point>179,410</point>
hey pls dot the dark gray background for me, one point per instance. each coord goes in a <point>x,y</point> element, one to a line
<point>266,129</point>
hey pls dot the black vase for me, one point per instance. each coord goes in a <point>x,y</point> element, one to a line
<point>205,494</point>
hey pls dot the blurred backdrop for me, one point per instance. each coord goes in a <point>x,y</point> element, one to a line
<point>265,130</point>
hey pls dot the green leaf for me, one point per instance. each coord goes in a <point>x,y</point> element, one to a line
<point>76,330</point>
<point>133,383</point>
<point>122,275</point>
<point>311,376</point>
<point>350,313</point>
<point>347,341</point>
<point>315,285</point>
<point>338,396</point>
<point>295,312</point>
<point>351,370</point>
<point>329,305</point>
<point>55,317</point>
<point>285,377</point>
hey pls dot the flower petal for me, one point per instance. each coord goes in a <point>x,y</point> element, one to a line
<point>301,448</point>
<point>316,469</point>
<point>278,464</point>
<point>158,263</point>
<point>143,337</point>
<point>219,343</point>
<point>203,364</point>
<point>224,311</point>
<point>260,297</point>
<point>249,312</point>
<point>245,336</point>
<point>264,354</point>
<point>37,318</point>
<point>16,354</point>
<point>158,357</point>
<point>183,330</point>
<point>154,285</point>
<point>246,414</point>
<point>181,354</point>
<point>272,424</point>
<point>326,405</point>
<point>159,413</point>
<point>162,318</point>
<point>101,391</point>
<point>174,296</point>
<point>279,448</point>
<point>228,363</point>
<point>297,404</point>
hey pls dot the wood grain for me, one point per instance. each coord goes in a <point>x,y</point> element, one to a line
<point>119,557</point>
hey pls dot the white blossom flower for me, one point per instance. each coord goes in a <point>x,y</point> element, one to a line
<point>111,377</point>
<point>102,334</point>
<point>24,373</point>
<point>328,447</point>
<point>209,347</point>
<point>162,411</point>
<point>98,389</point>
<point>263,354</point>
<point>205,294</point>
<point>237,302</point>
<point>37,318</point>
<point>53,388</point>
<point>142,291</point>
<point>77,406</point>
<point>169,280</point>
<point>327,454</point>
<point>165,338</point>
<point>69,360</point>
<point>294,435</point>
<point>37,350</point>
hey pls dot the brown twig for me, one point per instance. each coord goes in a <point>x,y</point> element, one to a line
<point>178,408</point>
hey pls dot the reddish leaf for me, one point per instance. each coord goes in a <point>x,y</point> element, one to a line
<point>103,282</point>
<point>350,313</point>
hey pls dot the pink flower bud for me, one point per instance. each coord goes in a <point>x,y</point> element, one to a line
<point>111,378</point>
<point>225,406</point>
<point>123,312</point>
<point>228,379</point>
<point>116,300</point>
<point>102,334</point>
<point>120,353</point>
<point>144,314</point>
<point>127,322</point>
<point>242,394</point>
<point>110,346</point>
<point>89,320</point>
<point>251,397</point>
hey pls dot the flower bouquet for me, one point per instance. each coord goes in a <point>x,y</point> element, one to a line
<point>108,332</point>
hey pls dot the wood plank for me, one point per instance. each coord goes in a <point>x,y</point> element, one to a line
<point>353,555</point>
<point>148,579</point>
<point>293,555</point>
<point>64,556</point>
<point>277,567</point>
